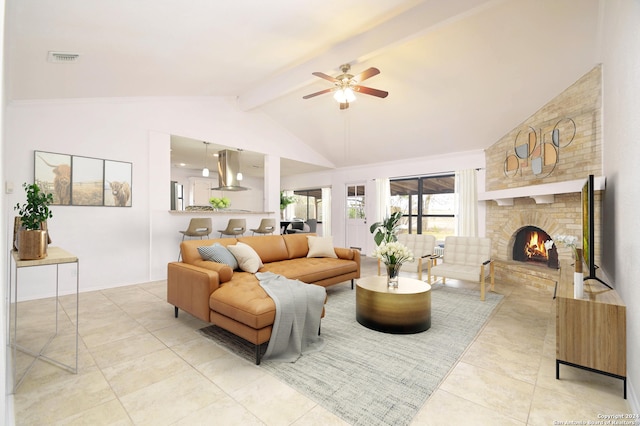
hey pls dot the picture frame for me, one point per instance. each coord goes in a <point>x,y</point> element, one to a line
<point>76,180</point>
<point>52,174</point>
<point>117,184</point>
<point>87,180</point>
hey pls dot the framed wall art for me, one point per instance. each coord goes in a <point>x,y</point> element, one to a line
<point>53,175</point>
<point>83,181</point>
<point>117,184</point>
<point>87,177</point>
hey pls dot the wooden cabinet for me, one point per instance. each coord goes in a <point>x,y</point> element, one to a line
<point>590,331</point>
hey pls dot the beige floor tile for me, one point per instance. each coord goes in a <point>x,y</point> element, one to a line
<point>272,401</point>
<point>180,331</point>
<point>60,399</point>
<point>505,395</point>
<point>152,315</point>
<point>111,331</point>
<point>446,409</point>
<point>138,364</point>
<point>319,416</point>
<point>157,288</point>
<point>549,406</point>
<point>582,384</point>
<point>505,360</point>
<point>44,371</point>
<point>230,372</point>
<point>126,349</point>
<point>172,399</point>
<point>224,411</point>
<point>518,342</point>
<point>129,376</point>
<point>110,413</point>
<point>199,351</point>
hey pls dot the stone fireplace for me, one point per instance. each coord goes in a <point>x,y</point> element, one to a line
<point>533,182</point>
<point>529,247</point>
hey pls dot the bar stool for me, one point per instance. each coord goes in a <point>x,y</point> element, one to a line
<point>266,227</point>
<point>198,227</point>
<point>234,227</point>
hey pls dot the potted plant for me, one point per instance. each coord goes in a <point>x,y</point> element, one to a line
<point>284,202</point>
<point>386,230</point>
<point>32,235</point>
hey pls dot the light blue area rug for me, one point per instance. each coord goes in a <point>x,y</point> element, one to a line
<point>370,378</point>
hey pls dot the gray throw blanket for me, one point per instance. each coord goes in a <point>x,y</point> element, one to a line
<point>298,312</point>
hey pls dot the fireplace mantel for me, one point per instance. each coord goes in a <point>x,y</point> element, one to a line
<point>542,194</point>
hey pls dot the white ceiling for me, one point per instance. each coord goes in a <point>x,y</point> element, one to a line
<point>460,73</point>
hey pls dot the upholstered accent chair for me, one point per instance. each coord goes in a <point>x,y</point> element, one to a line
<point>467,259</point>
<point>422,247</point>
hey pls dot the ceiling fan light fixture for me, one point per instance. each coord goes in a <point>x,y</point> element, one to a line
<point>344,95</point>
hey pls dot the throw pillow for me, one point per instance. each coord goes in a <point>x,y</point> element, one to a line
<point>297,224</point>
<point>248,259</point>
<point>218,253</point>
<point>321,247</point>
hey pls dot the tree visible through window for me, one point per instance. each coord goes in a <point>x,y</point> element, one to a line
<point>355,202</point>
<point>308,204</point>
<point>427,204</point>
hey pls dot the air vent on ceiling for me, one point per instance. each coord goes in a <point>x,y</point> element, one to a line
<point>63,57</point>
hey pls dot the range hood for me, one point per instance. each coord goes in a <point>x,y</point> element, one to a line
<point>228,168</point>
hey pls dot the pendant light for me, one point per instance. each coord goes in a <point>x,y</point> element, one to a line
<point>205,171</point>
<point>239,175</point>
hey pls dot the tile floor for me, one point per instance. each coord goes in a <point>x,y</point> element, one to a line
<point>139,365</point>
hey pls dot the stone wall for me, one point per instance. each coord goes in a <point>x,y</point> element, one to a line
<point>576,154</point>
<point>576,157</point>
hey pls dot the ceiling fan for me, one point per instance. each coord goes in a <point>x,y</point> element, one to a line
<point>346,84</point>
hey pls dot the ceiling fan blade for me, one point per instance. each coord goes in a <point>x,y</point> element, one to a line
<point>322,92</point>
<point>370,91</point>
<point>344,105</point>
<point>325,76</point>
<point>368,73</point>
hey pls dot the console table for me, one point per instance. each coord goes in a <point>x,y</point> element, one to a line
<point>590,331</point>
<point>55,256</point>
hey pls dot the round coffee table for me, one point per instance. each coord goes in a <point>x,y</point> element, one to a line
<point>402,310</point>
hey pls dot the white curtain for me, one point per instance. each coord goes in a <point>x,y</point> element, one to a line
<point>326,212</point>
<point>383,194</point>
<point>466,203</point>
<point>290,210</point>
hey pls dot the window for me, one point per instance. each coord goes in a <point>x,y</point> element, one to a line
<point>308,204</point>
<point>355,202</point>
<point>427,204</point>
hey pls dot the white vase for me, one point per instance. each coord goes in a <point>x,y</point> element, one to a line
<point>578,285</point>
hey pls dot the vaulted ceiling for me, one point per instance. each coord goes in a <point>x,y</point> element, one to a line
<point>460,73</point>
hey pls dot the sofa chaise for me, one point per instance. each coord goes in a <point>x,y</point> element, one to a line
<point>233,298</point>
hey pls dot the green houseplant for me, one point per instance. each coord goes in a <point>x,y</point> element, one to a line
<point>386,230</point>
<point>32,238</point>
<point>285,201</point>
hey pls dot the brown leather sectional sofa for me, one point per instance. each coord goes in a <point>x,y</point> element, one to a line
<point>233,299</point>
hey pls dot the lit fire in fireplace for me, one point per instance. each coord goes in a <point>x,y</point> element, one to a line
<point>534,248</point>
